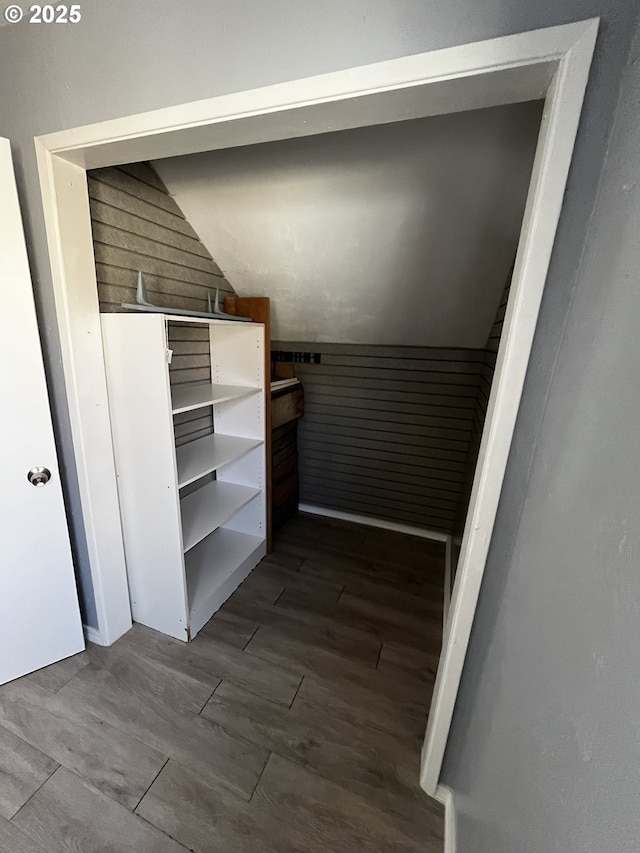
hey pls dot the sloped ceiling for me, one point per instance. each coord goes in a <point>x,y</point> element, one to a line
<point>396,234</point>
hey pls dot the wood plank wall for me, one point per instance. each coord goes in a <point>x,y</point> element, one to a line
<point>386,430</point>
<point>137,225</point>
<point>191,362</point>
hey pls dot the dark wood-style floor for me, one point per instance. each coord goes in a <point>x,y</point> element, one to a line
<point>293,722</point>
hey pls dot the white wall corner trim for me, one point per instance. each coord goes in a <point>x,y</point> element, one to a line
<point>525,66</point>
<point>368,521</point>
<point>444,795</point>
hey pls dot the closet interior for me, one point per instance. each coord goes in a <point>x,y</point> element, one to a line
<point>373,268</point>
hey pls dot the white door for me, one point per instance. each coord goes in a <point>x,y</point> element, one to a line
<point>39,614</point>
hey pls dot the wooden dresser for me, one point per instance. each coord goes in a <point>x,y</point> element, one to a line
<point>287,407</point>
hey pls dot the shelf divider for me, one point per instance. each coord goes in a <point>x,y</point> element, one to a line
<point>209,453</point>
<point>209,507</point>
<point>185,398</point>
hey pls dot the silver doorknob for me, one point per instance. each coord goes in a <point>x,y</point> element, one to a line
<point>39,476</point>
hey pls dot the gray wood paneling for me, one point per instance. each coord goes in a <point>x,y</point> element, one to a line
<point>387,430</point>
<point>124,181</point>
<point>431,477</point>
<point>137,225</point>
<point>191,362</point>
<point>439,381</point>
<point>123,201</point>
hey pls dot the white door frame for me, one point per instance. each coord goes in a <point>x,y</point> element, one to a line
<point>552,63</point>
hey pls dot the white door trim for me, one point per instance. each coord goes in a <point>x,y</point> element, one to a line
<point>544,202</point>
<point>551,63</point>
<point>444,796</point>
<point>66,210</point>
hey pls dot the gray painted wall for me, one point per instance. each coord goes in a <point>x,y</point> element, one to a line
<point>110,65</point>
<point>545,753</point>
<point>401,234</point>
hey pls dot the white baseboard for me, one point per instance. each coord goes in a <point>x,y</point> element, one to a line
<point>93,635</point>
<point>374,522</point>
<point>444,795</point>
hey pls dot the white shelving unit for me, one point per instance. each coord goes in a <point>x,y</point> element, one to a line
<point>190,540</point>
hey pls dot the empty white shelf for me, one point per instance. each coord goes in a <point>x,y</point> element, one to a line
<point>209,453</point>
<point>209,507</point>
<point>215,561</point>
<point>186,397</point>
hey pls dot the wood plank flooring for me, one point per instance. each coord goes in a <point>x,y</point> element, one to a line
<point>293,722</point>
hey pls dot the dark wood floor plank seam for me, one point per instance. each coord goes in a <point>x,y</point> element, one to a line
<point>310,623</point>
<point>358,623</point>
<point>277,600</point>
<point>209,749</point>
<point>249,640</point>
<point>57,690</point>
<point>297,691</point>
<point>149,785</point>
<point>109,759</point>
<point>315,739</point>
<point>163,831</point>
<point>54,677</point>
<point>206,702</point>
<point>379,656</point>
<point>23,769</point>
<point>320,669</point>
<point>44,782</point>
<point>63,814</point>
<point>231,680</point>
<point>260,776</point>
